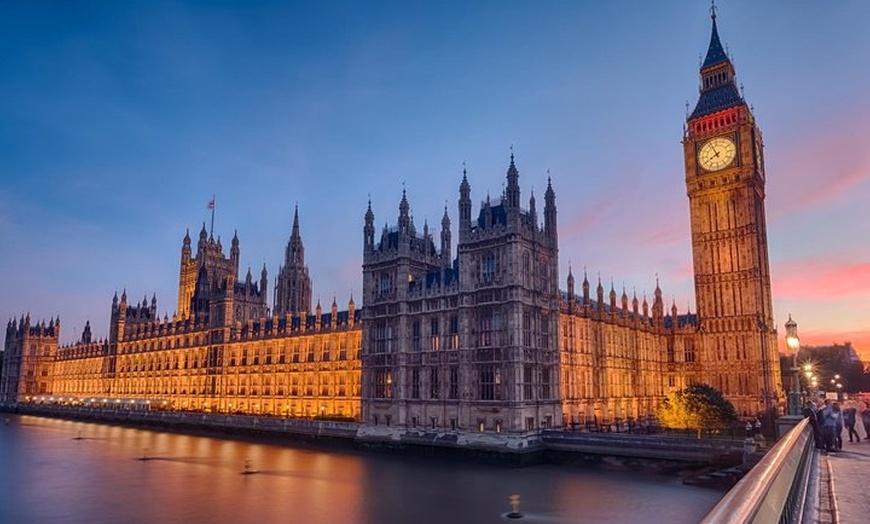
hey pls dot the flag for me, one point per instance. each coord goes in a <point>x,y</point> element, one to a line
<point>211,203</point>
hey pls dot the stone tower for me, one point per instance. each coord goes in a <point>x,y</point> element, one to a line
<point>30,350</point>
<point>725,182</point>
<point>469,343</point>
<point>293,286</point>
<point>209,288</point>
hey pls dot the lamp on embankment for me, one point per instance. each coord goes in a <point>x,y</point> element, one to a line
<point>794,344</point>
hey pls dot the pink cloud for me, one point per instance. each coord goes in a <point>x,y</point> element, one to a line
<point>824,279</point>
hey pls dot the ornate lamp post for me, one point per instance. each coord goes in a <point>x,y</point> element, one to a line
<point>794,344</point>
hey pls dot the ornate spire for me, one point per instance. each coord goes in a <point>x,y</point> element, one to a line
<point>464,204</point>
<point>370,216</point>
<point>550,210</point>
<point>512,192</point>
<point>295,233</point>
<point>715,52</point>
<point>718,89</point>
<point>404,214</point>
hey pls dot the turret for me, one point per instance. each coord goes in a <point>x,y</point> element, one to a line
<point>612,299</point>
<point>550,211</point>
<point>446,258</point>
<point>533,212</point>
<point>185,248</point>
<point>599,294</point>
<point>203,240</point>
<point>369,229</point>
<point>86,333</point>
<point>404,216</point>
<point>658,306</point>
<point>351,310</point>
<point>464,205</point>
<point>512,191</point>
<point>585,289</point>
<point>571,297</point>
<point>318,313</point>
<point>234,252</point>
<point>264,283</point>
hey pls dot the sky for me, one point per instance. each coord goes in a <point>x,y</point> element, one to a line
<point>120,120</point>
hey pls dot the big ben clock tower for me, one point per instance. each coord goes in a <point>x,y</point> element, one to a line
<point>725,184</point>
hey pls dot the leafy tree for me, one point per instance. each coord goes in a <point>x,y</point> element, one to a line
<point>699,407</point>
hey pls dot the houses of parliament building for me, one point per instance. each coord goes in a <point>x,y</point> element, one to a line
<point>483,338</point>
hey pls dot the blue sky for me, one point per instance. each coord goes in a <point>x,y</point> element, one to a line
<point>119,120</point>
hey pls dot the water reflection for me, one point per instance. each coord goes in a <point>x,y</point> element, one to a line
<point>49,476</point>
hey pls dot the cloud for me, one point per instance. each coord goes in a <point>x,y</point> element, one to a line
<point>826,279</point>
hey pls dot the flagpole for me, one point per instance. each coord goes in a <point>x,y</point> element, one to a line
<point>211,231</point>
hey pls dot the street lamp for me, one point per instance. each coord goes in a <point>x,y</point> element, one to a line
<point>811,378</point>
<point>794,344</point>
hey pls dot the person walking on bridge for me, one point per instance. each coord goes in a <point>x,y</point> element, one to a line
<point>812,413</point>
<point>849,414</point>
<point>831,421</point>
<point>865,420</point>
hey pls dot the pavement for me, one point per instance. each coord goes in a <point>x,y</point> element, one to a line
<point>848,473</point>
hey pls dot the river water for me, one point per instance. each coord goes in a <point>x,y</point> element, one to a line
<point>57,471</point>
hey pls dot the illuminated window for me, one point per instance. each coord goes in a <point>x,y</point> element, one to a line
<point>434,335</point>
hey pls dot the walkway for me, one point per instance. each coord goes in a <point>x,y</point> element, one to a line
<point>849,472</point>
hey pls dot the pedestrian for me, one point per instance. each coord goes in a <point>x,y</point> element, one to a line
<point>820,413</point>
<point>757,426</point>
<point>865,419</point>
<point>829,426</point>
<point>849,413</point>
<point>811,413</point>
<point>838,428</point>
<point>748,429</point>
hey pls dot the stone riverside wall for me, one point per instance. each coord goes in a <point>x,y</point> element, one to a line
<point>517,449</point>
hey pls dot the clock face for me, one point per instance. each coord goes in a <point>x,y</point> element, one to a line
<point>717,153</point>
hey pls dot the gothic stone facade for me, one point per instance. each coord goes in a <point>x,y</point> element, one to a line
<point>470,342</point>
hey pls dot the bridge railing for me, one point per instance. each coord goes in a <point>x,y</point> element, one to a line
<point>775,490</point>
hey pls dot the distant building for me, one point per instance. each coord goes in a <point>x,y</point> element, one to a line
<point>480,339</point>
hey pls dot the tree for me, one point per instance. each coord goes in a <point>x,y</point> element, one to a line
<point>699,407</point>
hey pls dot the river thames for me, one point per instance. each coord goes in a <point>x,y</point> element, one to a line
<point>73,472</point>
